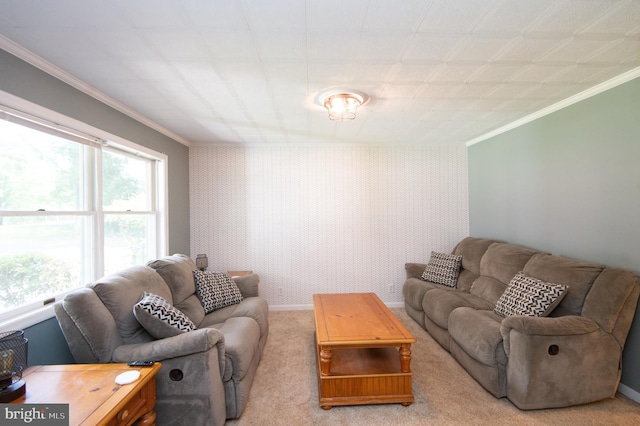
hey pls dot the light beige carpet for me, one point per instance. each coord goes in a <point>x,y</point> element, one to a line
<point>285,389</point>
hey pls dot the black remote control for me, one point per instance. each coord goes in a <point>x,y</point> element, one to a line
<point>141,363</point>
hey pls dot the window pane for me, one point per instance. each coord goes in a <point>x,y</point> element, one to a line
<point>39,170</point>
<point>40,257</point>
<point>126,182</point>
<point>129,239</point>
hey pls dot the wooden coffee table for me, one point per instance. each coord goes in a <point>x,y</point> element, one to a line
<point>363,352</point>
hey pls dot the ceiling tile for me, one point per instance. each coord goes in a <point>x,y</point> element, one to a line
<point>174,44</point>
<point>121,44</point>
<point>382,47</point>
<point>456,16</point>
<point>575,50</point>
<point>454,72</point>
<point>153,13</point>
<point>218,15</point>
<point>391,16</point>
<point>528,48</point>
<point>536,73</point>
<point>581,74</point>
<point>497,72</point>
<point>230,44</point>
<point>622,51</point>
<point>154,70</point>
<point>622,20</point>
<point>437,90</point>
<point>511,17</point>
<point>570,16</point>
<point>477,49</point>
<point>332,47</point>
<point>430,48</point>
<point>284,14</point>
<point>282,46</point>
<point>403,72</point>
<point>61,14</point>
<point>329,16</point>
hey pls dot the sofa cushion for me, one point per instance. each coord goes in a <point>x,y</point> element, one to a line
<point>577,275</point>
<point>529,296</point>
<point>503,261</point>
<point>438,304</point>
<point>241,338</point>
<point>443,269</point>
<point>160,318</point>
<point>466,280</point>
<point>123,289</point>
<point>478,333</point>
<point>192,307</point>
<point>472,249</point>
<point>500,263</point>
<point>177,272</point>
<point>88,326</point>
<point>251,307</point>
<point>216,290</point>
<point>414,290</point>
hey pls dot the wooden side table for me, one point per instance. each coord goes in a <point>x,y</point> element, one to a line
<point>93,396</point>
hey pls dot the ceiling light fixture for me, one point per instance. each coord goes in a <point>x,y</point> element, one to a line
<point>342,105</point>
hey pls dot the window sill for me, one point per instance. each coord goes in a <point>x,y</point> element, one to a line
<point>28,319</point>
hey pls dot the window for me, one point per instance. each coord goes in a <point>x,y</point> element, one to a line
<point>72,208</point>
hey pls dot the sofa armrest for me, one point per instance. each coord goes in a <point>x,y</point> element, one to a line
<point>414,270</point>
<point>183,344</point>
<point>545,326</point>
<point>558,362</point>
<point>248,284</point>
<point>549,326</point>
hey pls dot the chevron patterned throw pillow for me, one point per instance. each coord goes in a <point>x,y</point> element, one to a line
<point>160,318</point>
<point>529,296</point>
<point>216,290</point>
<point>443,269</point>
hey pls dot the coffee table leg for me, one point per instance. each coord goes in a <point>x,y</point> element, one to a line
<point>325,360</point>
<point>405,357</point>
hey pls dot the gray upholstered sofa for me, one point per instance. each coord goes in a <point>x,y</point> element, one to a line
<point>206,373</point>
<point>572,356</point>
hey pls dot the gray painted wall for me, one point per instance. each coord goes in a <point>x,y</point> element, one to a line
<point>46,342</point>
<point>569,184</point>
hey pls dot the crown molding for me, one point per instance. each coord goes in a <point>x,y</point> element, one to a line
<point>51,69</point>
<point>609,84</point>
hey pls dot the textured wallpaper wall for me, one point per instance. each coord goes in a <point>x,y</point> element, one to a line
<point>326,219</point>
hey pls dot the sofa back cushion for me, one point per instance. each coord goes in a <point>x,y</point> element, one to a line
<point>612,301</point>
<point>88,327</point>
<point>119,292</point>
<point>500,263</point>
<point>177,272</point>
<point>578,275</point>
<point>471,249</point>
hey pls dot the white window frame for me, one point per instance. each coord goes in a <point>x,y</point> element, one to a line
<point>70,126</point>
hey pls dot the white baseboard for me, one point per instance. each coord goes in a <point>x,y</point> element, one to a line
<point>629,393</point>
<point>290,307</point>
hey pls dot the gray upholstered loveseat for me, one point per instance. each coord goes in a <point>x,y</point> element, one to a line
<point>206,373</point>
<point>572,356</point>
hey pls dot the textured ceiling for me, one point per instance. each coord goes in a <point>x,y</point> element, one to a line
<point>250,72</point>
